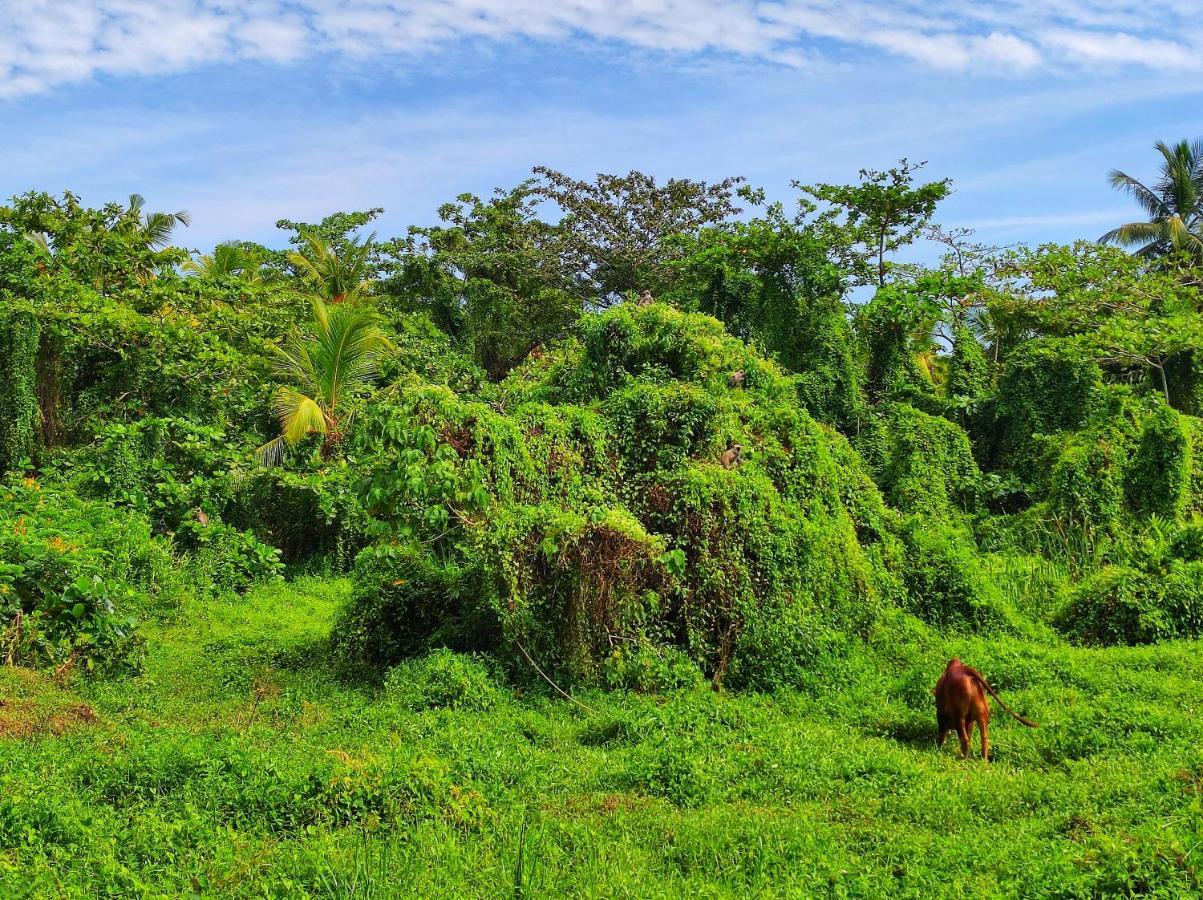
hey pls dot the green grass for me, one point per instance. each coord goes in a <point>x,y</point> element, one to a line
<point>240,765</point>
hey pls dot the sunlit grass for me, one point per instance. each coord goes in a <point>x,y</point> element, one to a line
<point>243,764</point>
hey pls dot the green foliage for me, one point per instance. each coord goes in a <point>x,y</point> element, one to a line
<point>405,603</point>
<point>331,366</point>
<point>1158,479</point>
<point>571,587</point>
<point>72,574</point>
<point>946,584</point>
<point>494,278</point>
<point>1120,605</point>
<point>650,668</point>
<point>644,415</point>
<point>20,418</point>
<point>1041,391</point>
<point>772,282</point>
<point>969,373</point>
<point>227,558</point>
<point>1086,484</point>
<point>443,679</point>
<point>618,232</point>
<point>1174,205</point>
<point>883,213</point>
<point>930,467</point>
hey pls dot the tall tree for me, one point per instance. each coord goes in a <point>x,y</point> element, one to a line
<point>1174,205</point>
<point>884,212</point>
<point>619,229</point>
<point>493,276</point>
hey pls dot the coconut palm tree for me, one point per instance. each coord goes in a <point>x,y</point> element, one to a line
<point>337,275</point>
<point>330,364</point>
<point>155,228</point>
<point>1174,205</point>
<point>226,260</point>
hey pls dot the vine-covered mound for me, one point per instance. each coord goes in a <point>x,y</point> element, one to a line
<point>650,491</point>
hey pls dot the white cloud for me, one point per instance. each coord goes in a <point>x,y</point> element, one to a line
<point>44,43</point>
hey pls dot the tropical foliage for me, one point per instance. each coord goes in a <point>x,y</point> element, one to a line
<point>361,555</point>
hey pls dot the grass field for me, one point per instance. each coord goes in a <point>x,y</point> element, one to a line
<point>238,765</point>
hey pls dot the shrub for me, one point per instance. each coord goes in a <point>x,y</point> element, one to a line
<point>71,574</point>
<point>591,507</point>
<point>650,668</point>
<point>929,464</point>
<point>405,603</point>
<point>1187,542</point>
<point>570,587</point>
<point>945,581</point>
<point>20,337</point>
<point>1086,485</point>
<point>227,558</point>
<point>1120,605</point>
<point>443,679</point>
<point>1158,478</point>
<point>1043,389</point>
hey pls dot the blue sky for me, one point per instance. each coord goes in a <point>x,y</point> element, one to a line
<point>246,112</point>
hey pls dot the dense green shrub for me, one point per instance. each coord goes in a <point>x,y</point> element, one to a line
<point>1187,542</point>
<point>929,466</point>
<point>1158,477</point>
<point>72,574</point>
<point>405,602</point>
<point>969,372</point>
<point>1043,389</point>
<point>609,504</point>
<point>945,580</point>
<point>1086,485</point>
<point>443,679</point>
<point>1120,605</point>
<point>227,558</point>
<point>572,587</point>
<point>651,668</point>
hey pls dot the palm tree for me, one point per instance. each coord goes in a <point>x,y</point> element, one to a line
<point>1174,205</point>
<point>155,228</point>
<point>330,364</point>
<point>336,275</point>
<point>226,260</point>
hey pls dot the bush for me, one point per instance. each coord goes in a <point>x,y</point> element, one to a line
<point>226,558</point>
<point>929,464</point>
<point>443,679</point>
<point>1187,542</point>
<point>1158,478</point>
<point>20,337</point>
<point>1042,390</point>
<point>650,668</point>
<point>405,603</point>
<point>1086,485</point>
<point>945,581</point>
<point>1120,605</point>
<point>595,506</point>
<point>72,572</point>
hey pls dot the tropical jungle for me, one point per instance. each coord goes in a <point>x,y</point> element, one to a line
<point>605,539</point>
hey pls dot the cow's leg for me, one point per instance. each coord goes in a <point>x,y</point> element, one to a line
<point>963,735</point>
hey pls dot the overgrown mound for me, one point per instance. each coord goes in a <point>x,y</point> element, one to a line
<point>654,483</point>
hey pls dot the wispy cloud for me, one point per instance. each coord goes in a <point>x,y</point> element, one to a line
<point>45,43</point>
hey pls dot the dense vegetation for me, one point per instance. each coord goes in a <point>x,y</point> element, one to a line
<point>595,541</point>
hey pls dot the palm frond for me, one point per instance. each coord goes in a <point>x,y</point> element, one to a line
<point>271,453</point>
<point>1148,199</point>
<point>299,415</point>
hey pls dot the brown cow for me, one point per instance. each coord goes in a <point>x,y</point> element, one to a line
<point>961,701</point>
